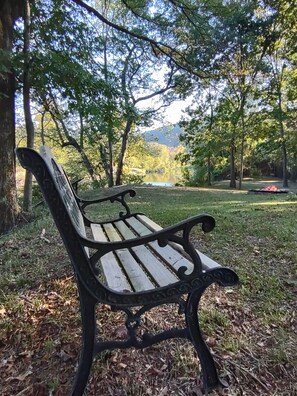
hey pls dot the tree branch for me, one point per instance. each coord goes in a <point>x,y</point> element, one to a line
<point>165,49</point>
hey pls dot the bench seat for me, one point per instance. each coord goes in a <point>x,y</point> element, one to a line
<point>142,267</point>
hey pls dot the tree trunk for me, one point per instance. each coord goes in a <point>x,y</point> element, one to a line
<point>42,128</point>
<point>283,140</point>
<point>241,150</point>
<point>26,102</point>
<point>110,160</point>
<point>127,130</point>
<point>84,157</point>
<point>9,10</point>
<point>209,145</point>
<point>209,168</point>
<point>57,117</point>
<point>285,161</point>
<point>232,165</point>
<point>107,158</point>
<point>294,168</point>
<point>82,129</point>
<point>104,161</point>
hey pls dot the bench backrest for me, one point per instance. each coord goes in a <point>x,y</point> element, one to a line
<point>65,189</point>
<point>64,208</point>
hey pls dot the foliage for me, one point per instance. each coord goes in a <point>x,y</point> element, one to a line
<point>132,179</point>
<point>100,71</point>
<point>91,84</point>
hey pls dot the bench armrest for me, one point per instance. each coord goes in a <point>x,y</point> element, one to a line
<point>168,234</point>
<point>118,197</point>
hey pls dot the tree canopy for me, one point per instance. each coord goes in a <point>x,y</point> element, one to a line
<point>92,74</point>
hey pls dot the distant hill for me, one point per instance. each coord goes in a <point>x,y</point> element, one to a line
<point>167,135</point>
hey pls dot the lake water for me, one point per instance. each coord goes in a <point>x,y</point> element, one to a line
<point>161,184</point>
<point>162,180</point>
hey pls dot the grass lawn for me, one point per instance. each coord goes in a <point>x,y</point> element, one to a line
<point>251,329</point>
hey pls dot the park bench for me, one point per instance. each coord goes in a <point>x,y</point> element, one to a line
<point>131,264</point>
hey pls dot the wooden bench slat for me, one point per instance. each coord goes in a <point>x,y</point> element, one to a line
<point>155,267</point>
<point>111,269</point>
<point>66,189</point>
<point>207,262</point>
<point>136,275</point>
<point>149,222</point>
<point>172,257</point>
<point>140,281</point>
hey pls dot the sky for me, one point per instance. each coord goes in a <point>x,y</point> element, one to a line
<point>173,113</point>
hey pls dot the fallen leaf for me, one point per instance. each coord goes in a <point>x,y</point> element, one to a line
<point>164,391</point>
<point>39,390</point>
<point>64,356</point>
<point>211,341</point>
<point>2,311</point>
<point>156,371</point>
<point>20,378</point>
<point>43,237</point>
<point>121,332</point>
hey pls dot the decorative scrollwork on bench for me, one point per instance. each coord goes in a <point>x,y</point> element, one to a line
<point>119,197</point>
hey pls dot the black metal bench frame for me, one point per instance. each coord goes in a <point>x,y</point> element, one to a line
<point>68,212</point>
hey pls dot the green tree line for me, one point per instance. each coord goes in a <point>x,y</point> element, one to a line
<point>243,121</point>
<point>89,76</point>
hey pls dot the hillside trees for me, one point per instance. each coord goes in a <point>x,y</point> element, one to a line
<point>138,86</point>
<point>152,158</point>
<point>106,99</point>
<point>281,98</point>
<point>122,79</point>
<point>244,80</point>
<point>199,135</point>
<point>133,61</point>
<point>68,84</point>
<point>277,96</point>
<point>60,43</point>
<point>62,65</point>
<point>10,11</point>
<point>246,38</point>
<point>92,67</point>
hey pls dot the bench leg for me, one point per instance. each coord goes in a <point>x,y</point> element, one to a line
<point>87,308</point>
<point>211,380</point>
